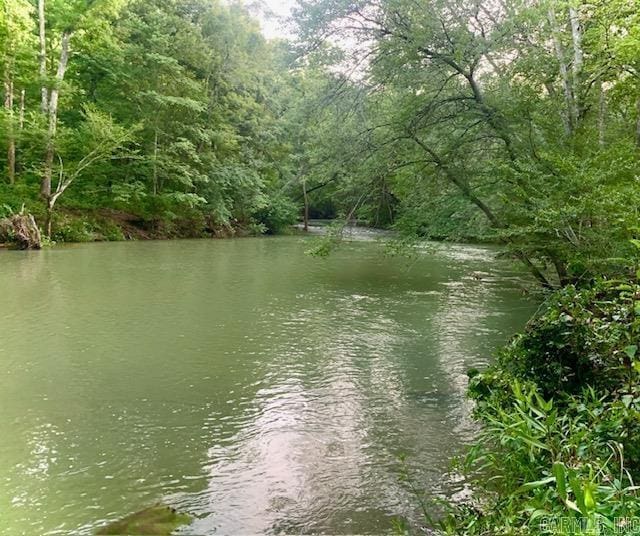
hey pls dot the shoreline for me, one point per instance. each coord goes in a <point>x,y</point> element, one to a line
<point>108,225</point>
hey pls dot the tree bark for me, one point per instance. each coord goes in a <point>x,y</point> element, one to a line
<point>11,141</point>
<point>21,116</point>
<point>45,188</point>
<point>561,270</point>
<point>576,38</point>
<point>22,230</point>
<point>48,218</point>
<point>155,163</point>
<point>306,204</point>
<point>43,57</point>
<point>569,117</point>
<point>602,115</point>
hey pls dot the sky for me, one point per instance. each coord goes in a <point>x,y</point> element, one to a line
<point>270,13</point>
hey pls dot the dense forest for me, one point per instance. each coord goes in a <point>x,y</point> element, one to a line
<point>166,116</point>
<point>517,123</point>
<point>514,122</point>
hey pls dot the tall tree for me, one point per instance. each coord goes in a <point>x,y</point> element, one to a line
<point>15,22</point>
<point>469,95</point>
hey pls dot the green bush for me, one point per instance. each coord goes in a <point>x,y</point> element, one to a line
<point>73,231</point>
<point>277,215</point>
<point>559,451</point>
<point>538,468</point>
<point>585,337</point>
<point>13,198</point>
<point>108,231</point>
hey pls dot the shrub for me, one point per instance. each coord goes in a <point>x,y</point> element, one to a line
<point>559,451</point>
<point>585,337</point>
<point>541,469</point>
<point>73,231</point>
<point>277,215</point>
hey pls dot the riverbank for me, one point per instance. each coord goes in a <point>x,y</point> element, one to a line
<point>560,409</point>
<point>109,225</point>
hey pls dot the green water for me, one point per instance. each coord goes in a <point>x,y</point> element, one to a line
<point>252,386</point>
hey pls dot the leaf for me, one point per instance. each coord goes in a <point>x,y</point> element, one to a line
<point>589,498</point>
<point>536,514</point>
<point>560,474</point>
<point>631,351</point>
<point>533,442</point>
<point>576,487</point>
<point>536,484</point>
<point>572,506</point>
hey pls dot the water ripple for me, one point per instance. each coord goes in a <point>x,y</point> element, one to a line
<point>258,389</point>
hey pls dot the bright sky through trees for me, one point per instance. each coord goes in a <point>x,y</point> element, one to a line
<point>273,14</point>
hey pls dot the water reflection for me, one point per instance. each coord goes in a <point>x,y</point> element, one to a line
<point>259,389</point>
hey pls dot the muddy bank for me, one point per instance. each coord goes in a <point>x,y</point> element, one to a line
<point>107,225</point>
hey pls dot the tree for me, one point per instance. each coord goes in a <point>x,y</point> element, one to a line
<point>97,139</point>
<point>501,103</point>
<point>15,41</point>
<point>67,20</point>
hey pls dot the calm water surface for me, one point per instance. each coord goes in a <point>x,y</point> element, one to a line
<point>252,386</point>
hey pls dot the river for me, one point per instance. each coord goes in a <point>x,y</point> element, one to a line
<point>257,388</point>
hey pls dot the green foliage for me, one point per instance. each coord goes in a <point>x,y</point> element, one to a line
<point>85,229</point>
<point>442,215</point>
<point>73,231</point>
<point>279,214</point>
<point>559,449</point>
<point>541,470</point>
<point>168,111</point>
<point>326,243</point>
<point>514,122</point>
<point>583,338</point>
<point>455,121</point>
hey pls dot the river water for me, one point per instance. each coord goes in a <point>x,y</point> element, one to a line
<point>242,381</point>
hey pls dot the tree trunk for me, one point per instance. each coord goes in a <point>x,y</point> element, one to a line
<point>155,163</point>
<point>22,230</point>
<point>52,108</point>
<point>467,192</point>
<point>48,218</point>
<point>569,114</point>
<point>602,115</point>
<point>11,141</point>
<point>576,37</point>
<point>561,270</point>
<point>43,57</point>
<point>494,119</point>
<point>306,204</point>
<point>21,115</point>
<point>45,188</point>
<point>462,186</point>
<point>638,123</point>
